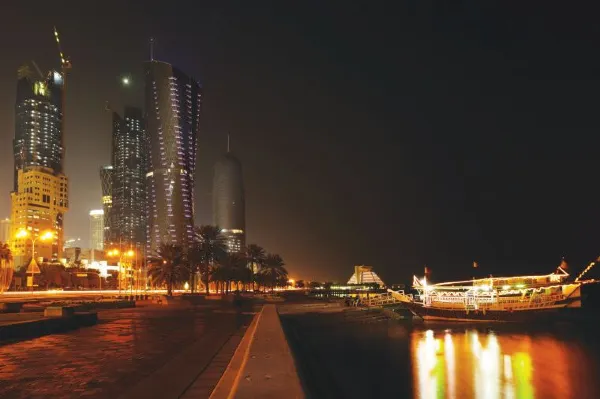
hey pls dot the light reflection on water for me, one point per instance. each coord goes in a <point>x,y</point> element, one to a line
<point>487,364</point>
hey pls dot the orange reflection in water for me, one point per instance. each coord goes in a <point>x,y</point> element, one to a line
<point>488,365</point>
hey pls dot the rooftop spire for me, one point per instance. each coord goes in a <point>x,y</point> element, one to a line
<point>151,49</point>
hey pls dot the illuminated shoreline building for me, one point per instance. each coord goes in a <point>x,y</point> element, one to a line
<point>40,195</point>
<point>97,229</point>
<point>38,206</point>
<point>128,179</point>
<point>38,121</point>
<point>172,104</point>
<point>5,231</point>
<point>228,201</point>
<point>106,173</point>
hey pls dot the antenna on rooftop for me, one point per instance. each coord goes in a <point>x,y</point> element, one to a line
<point>151,49</point>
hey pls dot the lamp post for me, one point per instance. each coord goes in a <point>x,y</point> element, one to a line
<point>46,236</point>
<point>130,254</point>
<point>113,253</point>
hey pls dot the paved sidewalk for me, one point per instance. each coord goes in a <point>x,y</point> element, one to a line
<point>109,359</point>
<point>263,365</point>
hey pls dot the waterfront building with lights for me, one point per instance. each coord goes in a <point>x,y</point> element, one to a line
<point>5,230</point>
<point>106,173</point>
<point>40,194</point>
<point>38,206</point>
<point>172,104</point>
<point>229,202</point>
<point>38,139</point>
<point>97,229</point>
<point>128,179</point>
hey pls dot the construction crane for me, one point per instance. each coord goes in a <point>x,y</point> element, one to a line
<point>65,65</point>
<point>65,62</point>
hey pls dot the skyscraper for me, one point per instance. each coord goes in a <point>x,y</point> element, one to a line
<point>38,121</point>
<point>40,197</point>
<point>130,165</point>
<point>172,103</point>
<point>97,229</point>
<point>106,173</point>
<point>38,206</point>
<point>229,211</point>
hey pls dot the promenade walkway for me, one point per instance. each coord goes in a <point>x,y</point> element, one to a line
<point>263,365</point>
<point>114,357</point>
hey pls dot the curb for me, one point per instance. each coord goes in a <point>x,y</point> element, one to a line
<point>229,382</point>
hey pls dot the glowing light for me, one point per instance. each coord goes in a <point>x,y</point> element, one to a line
<point>186,286</point>
<point>130,253</point>
<point>506,287</point>
<point>125,80</point>
<point>47,236</point>
<point>22,233</point>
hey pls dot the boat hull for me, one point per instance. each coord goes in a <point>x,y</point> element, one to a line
<point>558,312</point>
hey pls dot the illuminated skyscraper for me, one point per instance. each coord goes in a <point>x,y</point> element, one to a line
<point>106,173</point>
<point>40,195</point>
<point>172,103</point>
<point>38,137</point>
<point>130,165</point>
<point>38,206</point>
<point>228,201</point>
<point>97,229</point>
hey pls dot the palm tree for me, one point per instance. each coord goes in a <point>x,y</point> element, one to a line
<point>273,269</point>
<point>195,258</point>
<point>255,256</point>
<point>168,266</point>
<point>232,268</point>
<point>6,269</point>
<point>211,249</point>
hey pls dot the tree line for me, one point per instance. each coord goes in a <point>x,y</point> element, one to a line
<point>207,258</point>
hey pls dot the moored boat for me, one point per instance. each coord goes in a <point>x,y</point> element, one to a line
<point>518,298</point>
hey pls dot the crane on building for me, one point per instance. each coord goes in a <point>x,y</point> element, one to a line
<point>65,65</point>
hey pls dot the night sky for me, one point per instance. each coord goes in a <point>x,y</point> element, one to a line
<point>398,136</point>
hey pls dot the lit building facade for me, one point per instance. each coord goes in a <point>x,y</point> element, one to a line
<point>5,231</point>
<point>229,203</point>
<point>106,173</point>
<point>129,168</point>
<point>97,229</point>
<point>38,205</point>
<point>38,139</point>
<point>172,104</point>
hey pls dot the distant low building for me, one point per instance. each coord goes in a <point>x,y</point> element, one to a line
<point>97,229</point>
<point>365,275</point>
<point>5,230</point>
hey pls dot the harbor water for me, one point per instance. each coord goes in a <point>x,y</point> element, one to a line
<point>353,353</point>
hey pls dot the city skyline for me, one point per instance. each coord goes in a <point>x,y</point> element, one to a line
<point>401,140</point>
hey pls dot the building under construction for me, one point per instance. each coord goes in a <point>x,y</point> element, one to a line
<point>40,189</point>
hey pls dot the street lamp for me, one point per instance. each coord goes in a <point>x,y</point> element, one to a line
<point>113,253</point>
<point>45,236</point>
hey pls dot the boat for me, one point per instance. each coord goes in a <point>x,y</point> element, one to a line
<point>518,298</point>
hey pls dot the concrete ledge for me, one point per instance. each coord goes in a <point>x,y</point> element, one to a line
<point>11,307</point>
<point>46,326</point>
<point>263,365</point>
<point>59,311</point>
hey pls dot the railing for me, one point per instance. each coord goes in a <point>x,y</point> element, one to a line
<point>387,298</point>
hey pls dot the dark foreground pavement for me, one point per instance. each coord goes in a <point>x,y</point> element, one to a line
<point>113,358</point>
